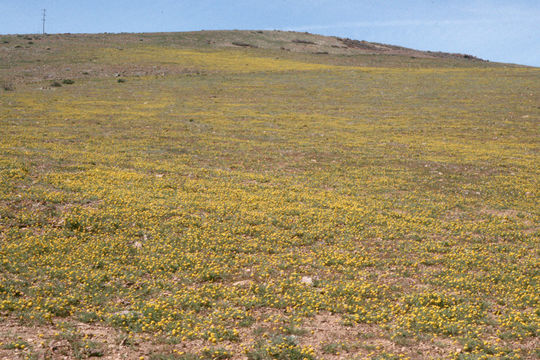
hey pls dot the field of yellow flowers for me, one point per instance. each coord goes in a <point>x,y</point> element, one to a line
<point>247,205</point>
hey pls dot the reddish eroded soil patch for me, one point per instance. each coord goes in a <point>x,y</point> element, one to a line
<point>326,333</point>
<point>78,340</point>
<point>365,340</point>
<point>378,48</point>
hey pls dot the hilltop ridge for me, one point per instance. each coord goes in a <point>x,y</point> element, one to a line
<point>305,42</point>
<point>34,58</point>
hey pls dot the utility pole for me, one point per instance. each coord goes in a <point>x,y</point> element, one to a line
<point>43,19</point>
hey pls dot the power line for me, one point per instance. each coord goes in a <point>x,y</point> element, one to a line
<point>43,19</point>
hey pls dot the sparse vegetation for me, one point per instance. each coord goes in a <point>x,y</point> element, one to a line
<point>243,44</point>
<point>301,41</point>
<point>7,86</point>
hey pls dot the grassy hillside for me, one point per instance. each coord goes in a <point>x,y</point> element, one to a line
<point>183,199</point>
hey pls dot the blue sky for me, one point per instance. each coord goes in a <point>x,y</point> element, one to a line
<point>507,31</point>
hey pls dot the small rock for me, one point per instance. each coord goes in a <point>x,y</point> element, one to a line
<point>60,347</point>
<point>95,353</point>
<point>243,283</point>
<point>307,280</point>
<point>126,313</point>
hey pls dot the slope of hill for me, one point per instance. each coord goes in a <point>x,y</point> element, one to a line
<point>299,42</point>
<point>27,58</point>
<point>211,195</point>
